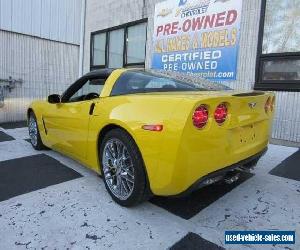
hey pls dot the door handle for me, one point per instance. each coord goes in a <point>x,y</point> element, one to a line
<point>92,107</point>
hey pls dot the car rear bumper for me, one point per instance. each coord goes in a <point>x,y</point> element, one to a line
<point>246,164</point>
<point>243,165</point>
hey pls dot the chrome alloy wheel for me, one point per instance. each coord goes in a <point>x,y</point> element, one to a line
<point>118,169</point>
<point>33,130</point>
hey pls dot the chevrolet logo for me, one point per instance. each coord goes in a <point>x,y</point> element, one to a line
<point>252,105</point>
<point>164,12</point>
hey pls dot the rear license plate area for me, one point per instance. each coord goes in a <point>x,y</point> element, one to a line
<point>247,134</point>
<point>243,136</point>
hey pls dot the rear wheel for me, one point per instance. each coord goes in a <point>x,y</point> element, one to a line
<point>34,134</point>
<point>123,168</point>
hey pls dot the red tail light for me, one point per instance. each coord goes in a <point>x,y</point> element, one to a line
<point>268,105</point>
<point>200,117</point>
<point>221,113</point>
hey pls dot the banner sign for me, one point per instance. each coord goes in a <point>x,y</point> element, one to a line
<point>199,37</point>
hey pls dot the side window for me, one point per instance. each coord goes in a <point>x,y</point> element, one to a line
<point>160,83</point>
<point>98,50</point>
<point>89,90</point>
<point>278,60</point>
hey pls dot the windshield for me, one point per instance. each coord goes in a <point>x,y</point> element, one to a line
<point>145,81</point>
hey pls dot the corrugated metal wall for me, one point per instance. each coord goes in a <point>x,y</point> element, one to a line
<point>39,43</point>
<point>57,20</point>
<point>287,117</point>
<point>44,66</point>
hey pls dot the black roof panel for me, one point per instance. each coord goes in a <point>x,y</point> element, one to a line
<point>102,73</point>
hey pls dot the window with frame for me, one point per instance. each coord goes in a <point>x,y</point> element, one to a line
<point>84,90</point>
<point>99,48</point>
<point>278,62</point>
<point>122,46</point>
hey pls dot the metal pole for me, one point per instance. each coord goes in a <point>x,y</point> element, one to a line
<point>82,33</point>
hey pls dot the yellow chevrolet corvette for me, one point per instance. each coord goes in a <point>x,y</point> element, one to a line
<point>150,133</point>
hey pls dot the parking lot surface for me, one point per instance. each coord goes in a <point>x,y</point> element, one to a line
<point>49,201</point>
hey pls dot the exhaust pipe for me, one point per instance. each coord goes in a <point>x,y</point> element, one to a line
<point>212,180</point>
<point>231,177</point>
<point>245,169</point>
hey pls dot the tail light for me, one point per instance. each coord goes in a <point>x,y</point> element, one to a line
<point>268,105</point>
<point>200,117</point>
<point>155,128</point>
<point>221,113</point>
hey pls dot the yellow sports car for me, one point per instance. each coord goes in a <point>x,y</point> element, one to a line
<point>152,133</point>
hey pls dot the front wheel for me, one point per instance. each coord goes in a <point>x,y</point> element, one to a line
<point>123,168</point>
<point>34,134</point>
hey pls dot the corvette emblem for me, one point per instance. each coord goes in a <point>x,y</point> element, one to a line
<point>252,105</point>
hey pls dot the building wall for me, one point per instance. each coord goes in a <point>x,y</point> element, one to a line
<point>113,12</point>
<point>39,43</point>
<point>57,20</point>
<point>44,66</point>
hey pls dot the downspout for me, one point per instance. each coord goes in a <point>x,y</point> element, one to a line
<point>82,37</point>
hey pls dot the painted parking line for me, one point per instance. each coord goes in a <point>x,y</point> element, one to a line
<point>289,168</point>
<point>189,206</point>
<point>18,133</point>
<point>193,241</point>
<point>80,214</point>
<point>5,137</point>
<point>262,203</point>
<point>31,173</point>
<point>16,149</point>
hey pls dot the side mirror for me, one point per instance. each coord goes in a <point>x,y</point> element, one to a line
<point>54,99</point>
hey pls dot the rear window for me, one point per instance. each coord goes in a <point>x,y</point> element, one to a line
<point>141,81</point>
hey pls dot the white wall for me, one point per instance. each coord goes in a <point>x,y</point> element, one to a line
<point>44,66</point>
<point>39,43</point>
<point>57,20</point>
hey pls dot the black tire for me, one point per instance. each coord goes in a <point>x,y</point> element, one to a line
<point>38,144</point>
<point>140,191</point>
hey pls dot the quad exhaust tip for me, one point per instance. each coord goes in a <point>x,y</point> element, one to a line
<point>232,177</point>
<point>228,178</point>
<point>213,180</point>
